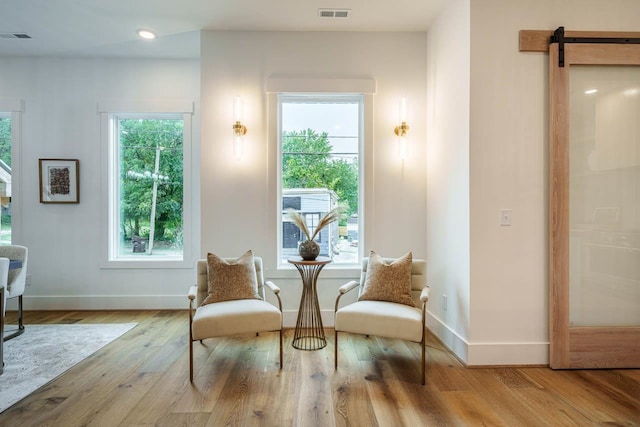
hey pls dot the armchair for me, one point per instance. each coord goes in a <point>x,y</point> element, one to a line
<point>232,317</point>
<point>383,318</point>
<point>16,281</point>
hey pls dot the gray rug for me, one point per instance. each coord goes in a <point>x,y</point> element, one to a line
<point>43,352</point>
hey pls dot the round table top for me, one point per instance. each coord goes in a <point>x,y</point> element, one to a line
<point>321,260</point>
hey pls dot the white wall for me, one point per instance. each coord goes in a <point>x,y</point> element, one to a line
<point>448,253</point>
<point>60,120</point>
<point>239,209</point>
<point>508,169</point>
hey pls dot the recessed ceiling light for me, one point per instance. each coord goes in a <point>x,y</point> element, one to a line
<point>147,34</point>
<point>590,91</point>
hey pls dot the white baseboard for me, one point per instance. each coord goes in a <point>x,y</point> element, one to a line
<point>489,354</point>
<point>136,302</point>
<point>450,338</point>
<point>103,302</point>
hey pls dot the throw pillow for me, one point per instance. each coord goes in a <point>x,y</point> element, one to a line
<point>388,282</point>
<point>231,280</point>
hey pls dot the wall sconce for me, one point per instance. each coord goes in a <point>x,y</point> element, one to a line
<point>239,130</point>
<point>402,130</point>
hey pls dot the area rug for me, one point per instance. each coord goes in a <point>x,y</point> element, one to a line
<point>43,352</point>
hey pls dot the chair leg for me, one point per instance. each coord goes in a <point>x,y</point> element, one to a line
<point>280,348</point>
<point>335,349</point>
<point>20,325</point>
<point>423,345</point>
<point>190,360</point>
<point>191,345</point>
<point>20,330</point>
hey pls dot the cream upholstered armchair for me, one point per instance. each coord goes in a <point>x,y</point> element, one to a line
<point>16,281</point>
<point>378,317</point>
<point>230,317</point>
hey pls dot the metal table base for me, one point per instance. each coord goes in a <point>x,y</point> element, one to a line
<point>309,332</point>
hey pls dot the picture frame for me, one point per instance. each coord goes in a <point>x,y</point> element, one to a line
<point>59,180</point>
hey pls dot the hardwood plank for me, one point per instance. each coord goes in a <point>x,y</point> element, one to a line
<point>238,382</point>
<point>583,390</point>
<point>157,404</point>
<point>231,406</point>
<point>549,409</point>
<point>314,406</point>
<point>209,378</point>
<point>384,403</point>
<point>352,406</point>
<point>471,410</point>
<point>497,385</point>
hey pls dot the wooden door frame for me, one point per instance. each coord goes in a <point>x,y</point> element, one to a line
<point>575,347</point>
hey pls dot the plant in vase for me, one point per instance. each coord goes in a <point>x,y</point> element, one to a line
<point>309,249</point>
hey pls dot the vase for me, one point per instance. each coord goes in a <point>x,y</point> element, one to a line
<point>309,250</point>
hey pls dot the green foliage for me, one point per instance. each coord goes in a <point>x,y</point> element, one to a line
<point>140,142</point>
<point>307,163</point>
<point>5,140</point>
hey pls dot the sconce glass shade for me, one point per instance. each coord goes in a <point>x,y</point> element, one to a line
<point>238,146</point>
<point>403,146</point>
<point>402,110</point>
<point>237,109</point>
<point>402,130</point>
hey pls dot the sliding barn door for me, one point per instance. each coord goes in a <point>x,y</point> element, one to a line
<point>594,224</point>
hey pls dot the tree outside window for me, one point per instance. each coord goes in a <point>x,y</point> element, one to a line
<point>150,172</point>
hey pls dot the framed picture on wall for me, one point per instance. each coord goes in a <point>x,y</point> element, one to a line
<point>59,180</point>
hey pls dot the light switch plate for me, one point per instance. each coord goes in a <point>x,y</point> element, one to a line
<point>505,217</point>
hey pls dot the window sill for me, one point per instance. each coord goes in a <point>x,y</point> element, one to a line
<point>166,263</point>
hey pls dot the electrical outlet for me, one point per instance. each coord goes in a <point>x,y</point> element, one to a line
<point>27,280</point>
<point>505,217</point>
<point>444,302</point>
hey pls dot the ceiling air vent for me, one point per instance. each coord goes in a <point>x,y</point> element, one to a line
<point>14,36</point>
<point>334,13</point>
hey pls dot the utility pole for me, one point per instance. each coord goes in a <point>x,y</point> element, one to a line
<point>156,176</point>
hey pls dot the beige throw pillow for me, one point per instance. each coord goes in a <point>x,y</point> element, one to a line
<point>231,281</point>
<point>388,282</point>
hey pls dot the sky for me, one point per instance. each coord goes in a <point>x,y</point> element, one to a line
<point>339,120</point>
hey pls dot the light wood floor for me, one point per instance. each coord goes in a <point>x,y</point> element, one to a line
<point>141,379</point>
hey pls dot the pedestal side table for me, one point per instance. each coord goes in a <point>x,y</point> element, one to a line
<point>309,333</point>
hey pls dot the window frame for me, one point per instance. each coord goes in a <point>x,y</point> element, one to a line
<point>110,113</point>
<point>364,106</point>
<point>14,108</point>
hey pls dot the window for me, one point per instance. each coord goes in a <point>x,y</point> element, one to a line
<point>148,187</point>
<point>5,178</point>
<point>320,166</point>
